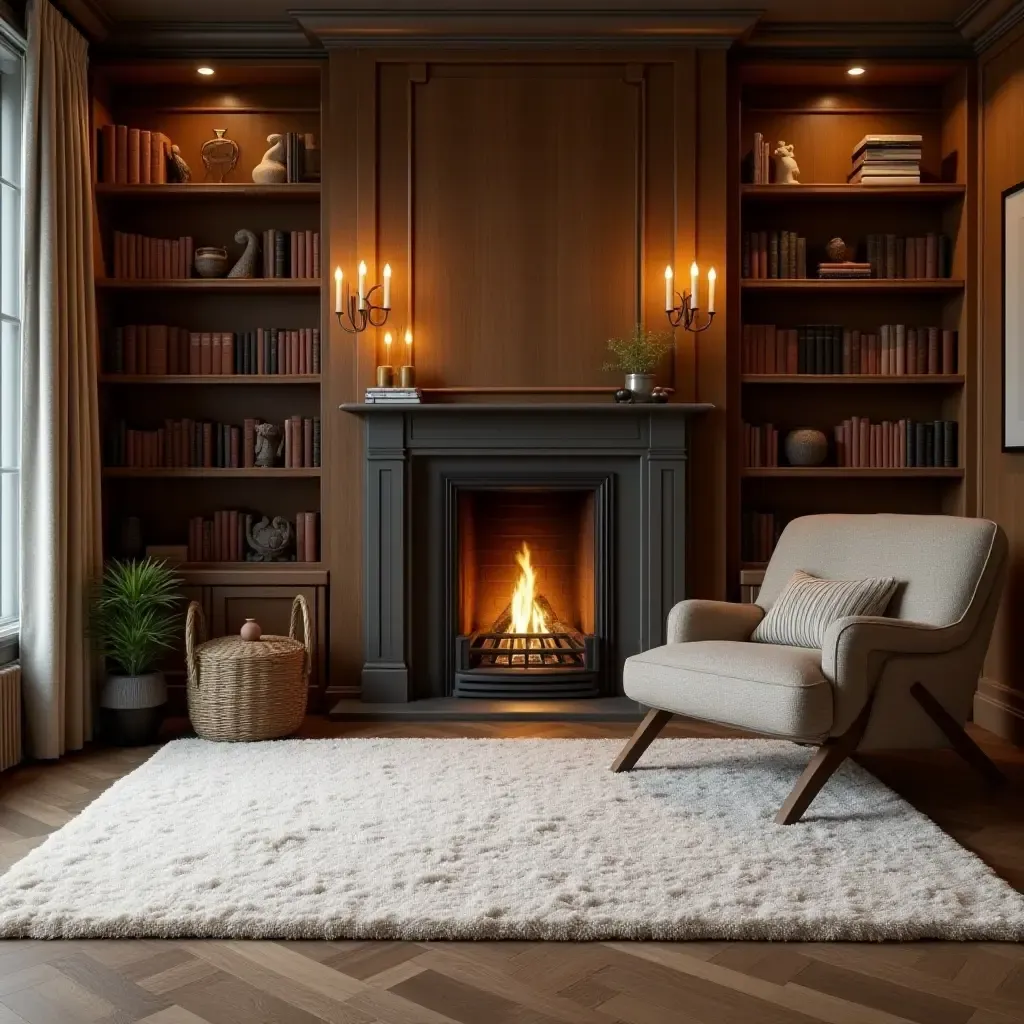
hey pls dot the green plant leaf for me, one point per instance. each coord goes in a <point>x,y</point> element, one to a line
<point>640,352</point>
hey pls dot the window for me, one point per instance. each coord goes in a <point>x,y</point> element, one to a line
<point>11,153</point>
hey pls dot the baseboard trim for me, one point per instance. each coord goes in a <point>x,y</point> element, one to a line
<point>1000,710</point>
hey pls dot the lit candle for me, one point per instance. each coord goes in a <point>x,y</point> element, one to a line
<point>337,289</point>
<point>670,299</point>
<point>387,347</point>
<point>407,374</point>
<point>694,277</point>
<point>362,284</point>
<point>387,285</point>
<point>712,278</point>
<point>408,346</point>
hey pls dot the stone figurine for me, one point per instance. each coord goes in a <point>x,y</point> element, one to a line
<point>271,170</point>
<point>177,169</point>
<point>269,540</point>
<point>246,265</point>
<point>269,444</point>
<point>787,171</point>
<point>837,251</point>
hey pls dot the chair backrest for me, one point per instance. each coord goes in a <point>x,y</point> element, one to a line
<point>945,564</point>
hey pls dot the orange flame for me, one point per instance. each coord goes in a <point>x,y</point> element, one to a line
<point>526,614</point>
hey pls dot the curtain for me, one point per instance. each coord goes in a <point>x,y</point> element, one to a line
<point>60,454</point>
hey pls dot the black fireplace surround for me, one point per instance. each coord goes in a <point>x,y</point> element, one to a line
<point>630,460</point>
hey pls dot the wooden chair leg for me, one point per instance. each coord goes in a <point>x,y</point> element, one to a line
<point>646,732</point>
<point>957,736</point>
<point>822,766</point>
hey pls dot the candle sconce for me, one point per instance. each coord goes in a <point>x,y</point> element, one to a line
<point>685,316</point>
<point>360,310</point>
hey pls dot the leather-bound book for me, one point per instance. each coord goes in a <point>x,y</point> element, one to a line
<point>316,442</point>
<point>121,154</point>
<point>195,359</point>
<point>145,157</point>
<point>901,350</point>
<point>293,254</point>
<point>307,443</point>
<point>158,349</point>
<point>316,350</point>
<point>133,156</point>
<point>169,268</point>
<point>300,537</point>
<point>288,443</point>
<point>207,435</point>
<point>311,539</point>
<point>911,346</point>
<point>249,443</point>
<point>949,354</point>
<point>227,353</point>
<point>933,364</point>
<point>316,255</point>
<point>235,438</point>
<point>910,259</point>
<point>801,258</point>
<point>921,244</point>
<point>296,422</point>
<point>206,353</point>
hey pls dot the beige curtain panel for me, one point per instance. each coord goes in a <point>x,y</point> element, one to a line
<point>60,458</point>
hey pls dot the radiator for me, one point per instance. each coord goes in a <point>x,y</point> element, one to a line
<point>10,716</point>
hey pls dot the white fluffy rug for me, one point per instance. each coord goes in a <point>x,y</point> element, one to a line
<point>490,839</point>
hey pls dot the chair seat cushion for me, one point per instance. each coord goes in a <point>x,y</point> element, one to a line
<point>765,688</point>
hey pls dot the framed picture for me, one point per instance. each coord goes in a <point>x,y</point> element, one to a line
<point>1013,319</point>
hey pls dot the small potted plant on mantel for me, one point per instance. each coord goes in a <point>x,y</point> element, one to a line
<point>134,622</point>
<point>637,357</point>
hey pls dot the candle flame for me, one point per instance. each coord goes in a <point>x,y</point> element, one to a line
<point>387,269</point>
<point>408,337</point>
<point>387,338</point>
<point>337,274</point>
<point>694,269</point>
<point>362,267</point>
<point>712,276</point>
<point>668,273</point>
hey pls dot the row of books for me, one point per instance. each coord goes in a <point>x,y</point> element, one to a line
<point>131,156</point>
<point>138,257</point>
<point>301,156</point>
<point>161,349</point>
<point>894,350</point>
<point>758,535</point>
<point>294,254</point>
<point>774,254</point>
<point>887,160</point>
<point>760,445</point>
<point>224,538</point>
<point>762,160</point>
<point>901,444</point>
<point>928,257</point>
<point>188,443</point>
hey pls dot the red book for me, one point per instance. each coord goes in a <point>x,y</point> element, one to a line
<point>133,156</point>
<point>249,443</point>
<point>234,537</point>
<point>293,254</point>
<point>311,538</point>
<point>296,422</point>
<point>121,154</point>
<point>158,162</point>
<point>206,353</point>
<point>288,443</point>
<point>145,157</point>
<point>260,341</point>
<point>300,253</point>
<point>316,254</point>
<point>307,443</point>
<point>300,537</point>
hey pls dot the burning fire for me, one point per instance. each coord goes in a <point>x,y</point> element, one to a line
<point>527,616</point>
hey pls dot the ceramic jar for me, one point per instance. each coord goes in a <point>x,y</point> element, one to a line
<point>211,261</point>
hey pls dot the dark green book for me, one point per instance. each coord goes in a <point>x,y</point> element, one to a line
<point>938,444</point>
<point>272,365</point>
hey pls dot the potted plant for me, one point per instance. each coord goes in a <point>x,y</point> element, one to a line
<point>134,623</point>
<point>637,357</point>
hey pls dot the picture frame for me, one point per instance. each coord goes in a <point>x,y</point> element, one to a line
<point>1013,318</point>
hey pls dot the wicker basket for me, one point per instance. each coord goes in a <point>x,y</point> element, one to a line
<point>247,689</point>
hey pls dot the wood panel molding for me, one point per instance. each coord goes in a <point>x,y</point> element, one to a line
<point>1000,710</point>
<point>985,22</point>
<point>857,39</point>
<point>524,23</point>
<point>209,39</point>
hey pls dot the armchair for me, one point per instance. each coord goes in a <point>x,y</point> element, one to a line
<point>906,679</point>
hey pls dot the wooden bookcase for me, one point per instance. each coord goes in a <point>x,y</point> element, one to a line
<point>824,113</point>
<point>250,99</point>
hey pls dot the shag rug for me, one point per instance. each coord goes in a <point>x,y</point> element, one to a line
<point>498,839</point>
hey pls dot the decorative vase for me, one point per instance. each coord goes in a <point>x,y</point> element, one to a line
<point>641,384</point>
<point>806,447</point>
<point>219,156</point>
<point>272,170</point>
<point>246,265</point>
<point>132,708</point>
<point>211,261</point>
<point>250,630</point>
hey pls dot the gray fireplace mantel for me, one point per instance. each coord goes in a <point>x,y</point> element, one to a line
<point>419,456</point>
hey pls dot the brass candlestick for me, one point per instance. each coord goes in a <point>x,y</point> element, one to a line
<point>386,376</point>
<point>407,376</point>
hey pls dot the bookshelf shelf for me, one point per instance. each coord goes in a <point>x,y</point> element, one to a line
<point>266,285</point>
<point>834,472</point>
<point>287,193</point>
<point>206,473</point>
<point>943,285</point>
<point>193,379</point>
<point>934,193</point>
<point>889,380</point>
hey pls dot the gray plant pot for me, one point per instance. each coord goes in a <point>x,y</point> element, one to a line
<point>641,384</point>
<point>132,708</point>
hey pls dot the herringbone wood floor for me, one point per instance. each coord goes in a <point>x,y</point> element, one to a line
<point>120,982</point>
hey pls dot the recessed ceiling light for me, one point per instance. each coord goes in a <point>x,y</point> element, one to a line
<point>856,72</point>
<point>205,70</point>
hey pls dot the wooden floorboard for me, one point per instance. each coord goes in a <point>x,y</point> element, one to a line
<point>166,982</point>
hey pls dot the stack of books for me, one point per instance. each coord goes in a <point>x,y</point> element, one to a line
<point>887,160</point>
<point>393,396</point>
<point>760,445</point>
<point>843,271</point>
<point>762,160</point>
<point>903,444</point>
<point>131,156</point>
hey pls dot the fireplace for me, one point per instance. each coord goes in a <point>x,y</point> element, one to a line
<point>582,504</point>
<point>526,595</point>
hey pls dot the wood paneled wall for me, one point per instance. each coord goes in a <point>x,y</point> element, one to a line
<point>528,205</point>
<point>1000,703</point>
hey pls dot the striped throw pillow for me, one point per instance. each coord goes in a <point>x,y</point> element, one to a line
<point>807,606</point>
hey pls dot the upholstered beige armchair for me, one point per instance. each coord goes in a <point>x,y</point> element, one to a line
<point>905,679</point>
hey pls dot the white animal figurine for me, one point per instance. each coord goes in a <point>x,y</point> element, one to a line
<point>786,168</point>
<point>271,169</point>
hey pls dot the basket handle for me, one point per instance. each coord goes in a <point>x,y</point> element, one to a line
<point>299,606</point>
<point>195,614</point>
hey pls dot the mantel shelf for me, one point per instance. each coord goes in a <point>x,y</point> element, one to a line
<point>858,472</point>
<point>852,378</point>
<point>200,190</point>
<point>874,284</point>
<point>206,472</point>
<point>933,192</point>
<point>540,408</point>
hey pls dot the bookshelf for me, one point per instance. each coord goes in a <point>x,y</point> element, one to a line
<point>816,107</point>
<point>250,99</point>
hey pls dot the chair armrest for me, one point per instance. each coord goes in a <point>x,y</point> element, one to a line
<point>855,649</point>
<point>694,620</point>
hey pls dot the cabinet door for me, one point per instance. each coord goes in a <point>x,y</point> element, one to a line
<point>271,607</point>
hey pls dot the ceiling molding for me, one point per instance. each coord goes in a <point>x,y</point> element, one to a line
<point>458,23</point>
<point>859,39</point>
<point>208,39</point>
<point>89,17</point>
<point>985,22</point>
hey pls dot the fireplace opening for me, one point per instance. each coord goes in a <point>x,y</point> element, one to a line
<point>526,594</point>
